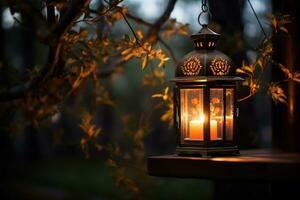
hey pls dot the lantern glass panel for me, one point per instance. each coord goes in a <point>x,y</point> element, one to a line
<point>229,113</point>
<point>192,115</point>
<point>216,113</point>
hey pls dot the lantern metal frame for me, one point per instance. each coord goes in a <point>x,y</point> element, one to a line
<point>208,69</point>
<point>206,147</point>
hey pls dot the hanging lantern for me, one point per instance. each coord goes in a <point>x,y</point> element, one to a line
<point>205,108</point>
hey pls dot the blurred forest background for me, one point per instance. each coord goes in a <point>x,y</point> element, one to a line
<point>79,120</point>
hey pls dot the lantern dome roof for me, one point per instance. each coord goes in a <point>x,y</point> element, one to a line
<point>205,61</point>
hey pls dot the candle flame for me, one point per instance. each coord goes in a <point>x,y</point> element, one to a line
<point>202,118</point>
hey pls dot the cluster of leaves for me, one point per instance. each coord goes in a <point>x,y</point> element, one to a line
<point>91,135</point>
<point>166,98</point>
<point>88,56</point>
<point>126,155</point>
<point>173,27</point>
<point>144,51</point>
<point>254,73</point>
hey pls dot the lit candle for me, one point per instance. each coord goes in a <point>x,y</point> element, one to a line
<point>213,130</point>
<point>196,129</point>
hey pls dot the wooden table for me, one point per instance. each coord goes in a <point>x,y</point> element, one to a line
<point>253,165</point>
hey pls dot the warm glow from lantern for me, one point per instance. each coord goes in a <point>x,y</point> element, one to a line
<point>196,129</point>
<point>229,127</point>
<point>213,130</point>
<point>197,132</point>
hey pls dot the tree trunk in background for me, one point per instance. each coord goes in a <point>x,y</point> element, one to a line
<point>6,148</point>
<point>285,119</point>
<point>32,147</point>
<point>228,14</point>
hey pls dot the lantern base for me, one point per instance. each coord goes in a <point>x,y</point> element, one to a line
<point>207,151</point>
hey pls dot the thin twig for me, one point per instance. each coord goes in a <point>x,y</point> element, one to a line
<point>261,27</point>
<point>137,40</point>
<point>138,20</point>
<point>246,97</point>
<point>100,15</point>
<point>154,29</point>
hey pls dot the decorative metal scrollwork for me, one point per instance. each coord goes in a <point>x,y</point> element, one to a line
<point>220,67</point>
<point>191,66</point>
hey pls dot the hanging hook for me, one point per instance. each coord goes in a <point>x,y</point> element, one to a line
<point>206,11</point>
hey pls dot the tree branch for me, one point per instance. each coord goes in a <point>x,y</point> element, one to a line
<point>138,20</point>
<point>69,16</point>
<point>110,68</point>
<point>152,34</point>
<point>246,97</point>
<point>53,55</point>
<point>111,7</point>
<point>50,14</point>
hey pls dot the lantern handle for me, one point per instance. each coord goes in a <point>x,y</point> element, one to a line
<point>201,14</point>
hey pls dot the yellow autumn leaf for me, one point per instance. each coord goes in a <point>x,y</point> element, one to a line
<point>274,23</point>
<point>172,21</point>
<point>254,86</point>
<point>184,30</point>
<point>248,69</point>
<point>168,115</point>
<point>158,72</point>
<point>157,95</point>
<point>71,61</point>
<point>260,63</point>
<point>111,163</point>
<point>240,71</point>
<point>245,83</point>
<point>283,29</point>
<point>286,71</point>
<point>277,93</point>
<point>296,77</point>
<point>164,95</point>
<point>126,51</point>
<point>76,83</point>
<point>166,90</point>
<point>128,56</point>
<point>83,32</point>
<point>145,62</point>
<point>88,127</point>
<point>163,61</point>
<point>140,34</point>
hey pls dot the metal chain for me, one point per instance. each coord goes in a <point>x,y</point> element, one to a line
<point>204,6</point>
